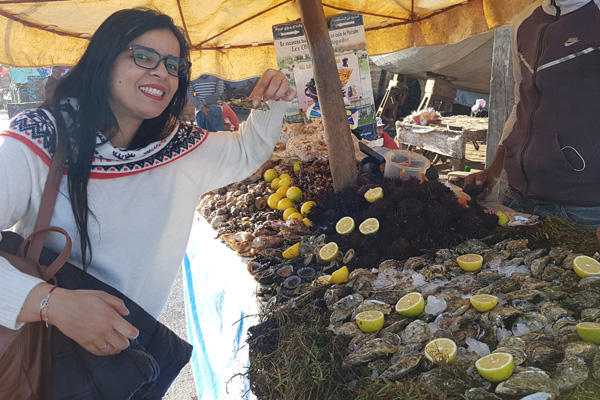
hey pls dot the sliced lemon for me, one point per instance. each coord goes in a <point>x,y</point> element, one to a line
<point>305,209</point>
<point>307,222</point>
<point>294,193</point>
<point>495,367</point>
<point>339,275</point>
<point>292,251</point>
<point>275,183</point>
<point>285,203</point>
<point>274,200</point>
<point>369,226</point>
<point>411,305</point>
<point>370,321</point>
<point>282,190</point>
<point>372,195</point>
<point>287,212</point>
<point>470,262</point>
<point>329,251</point>
<point>586,266</point>
<point>345,225</point>
<point>589,332</point>
<point>440,351</point>
<point>484,302</point>
<point>269,175</point>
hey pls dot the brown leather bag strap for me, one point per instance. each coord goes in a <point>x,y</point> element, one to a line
<point>48,201</point>
<point>25,247</point>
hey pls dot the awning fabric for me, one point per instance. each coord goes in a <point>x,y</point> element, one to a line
<point>233,38</point>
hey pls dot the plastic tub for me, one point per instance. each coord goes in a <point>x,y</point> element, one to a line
<point>404,164</point>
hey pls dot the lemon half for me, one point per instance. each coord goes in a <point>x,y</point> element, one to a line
<point>345,225</point>
<point>440,351</point>
<point>586,266</point>
<point>369,226</point>
<point>470,262</point>
<point>495,367</point>
<point>410,305</point>
<point>372,195</point>
<point>329,252</point>
<point>483,302</point>
<point>589,332</point>
<point>370,321</point>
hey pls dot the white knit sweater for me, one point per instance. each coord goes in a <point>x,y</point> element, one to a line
<point>143,201</point>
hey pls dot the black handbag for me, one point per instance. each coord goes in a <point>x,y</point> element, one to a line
<point>144,370</point>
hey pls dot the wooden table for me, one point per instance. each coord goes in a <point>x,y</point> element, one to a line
<point>448,138</point>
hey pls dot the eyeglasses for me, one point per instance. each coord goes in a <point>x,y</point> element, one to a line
<point>148,58</point>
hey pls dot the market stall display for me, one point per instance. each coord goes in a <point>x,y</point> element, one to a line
<point>312,333</point>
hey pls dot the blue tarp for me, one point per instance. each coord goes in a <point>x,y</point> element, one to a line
<point>19,75</point>
<point>220,306</point>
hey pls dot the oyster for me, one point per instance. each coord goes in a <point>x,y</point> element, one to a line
<point>248,103</point>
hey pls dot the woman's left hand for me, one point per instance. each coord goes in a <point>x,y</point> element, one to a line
<point>273,85</point>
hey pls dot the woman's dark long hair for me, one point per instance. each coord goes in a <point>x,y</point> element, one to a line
<point>89,83</point>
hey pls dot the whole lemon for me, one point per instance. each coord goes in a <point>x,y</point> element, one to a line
<point>275,183</point>
<point>269,175</point>
<point>305,209</point>
<point>287,212</point>
<point>503,219</point>
<point>282,190</point>
<point>274,200</point>
<point>285,180</point>
<point>297,166</point>
<point>285,203</point>
<point>294,193</point>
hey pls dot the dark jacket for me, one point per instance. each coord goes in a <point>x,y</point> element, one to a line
<point>553,151</point>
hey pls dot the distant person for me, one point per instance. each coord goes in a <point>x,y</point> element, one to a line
<point>230,119</point>
<point>51,82</point>
<point>388,142</point>
<point>205,94</point>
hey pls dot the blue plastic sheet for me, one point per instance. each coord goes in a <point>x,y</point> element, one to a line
<point>220,306</point>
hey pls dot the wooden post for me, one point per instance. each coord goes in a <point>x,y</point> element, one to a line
<point>501,101</point>
<point>335,122</point>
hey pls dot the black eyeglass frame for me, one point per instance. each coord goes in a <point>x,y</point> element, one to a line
<point>184,65</point>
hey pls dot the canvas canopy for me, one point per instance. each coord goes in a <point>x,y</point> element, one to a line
<point>233,38</point>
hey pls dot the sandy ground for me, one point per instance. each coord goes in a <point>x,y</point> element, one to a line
<point>173,316</point>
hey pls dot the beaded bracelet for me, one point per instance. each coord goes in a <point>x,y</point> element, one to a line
<point>44,307</point>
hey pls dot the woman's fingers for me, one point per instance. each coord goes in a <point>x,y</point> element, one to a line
<point>273,85</point>
<point>93,319</point>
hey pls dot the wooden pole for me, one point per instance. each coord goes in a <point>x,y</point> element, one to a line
<point>501,101</point>
<point>329,88</point>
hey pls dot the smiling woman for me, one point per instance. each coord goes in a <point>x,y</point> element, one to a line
<point>134,174</point>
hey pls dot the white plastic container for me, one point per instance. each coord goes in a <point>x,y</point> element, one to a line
<point>404,164</point>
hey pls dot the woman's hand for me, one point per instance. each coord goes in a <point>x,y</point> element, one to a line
<point>91,318</point>
<point>273,85</point>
